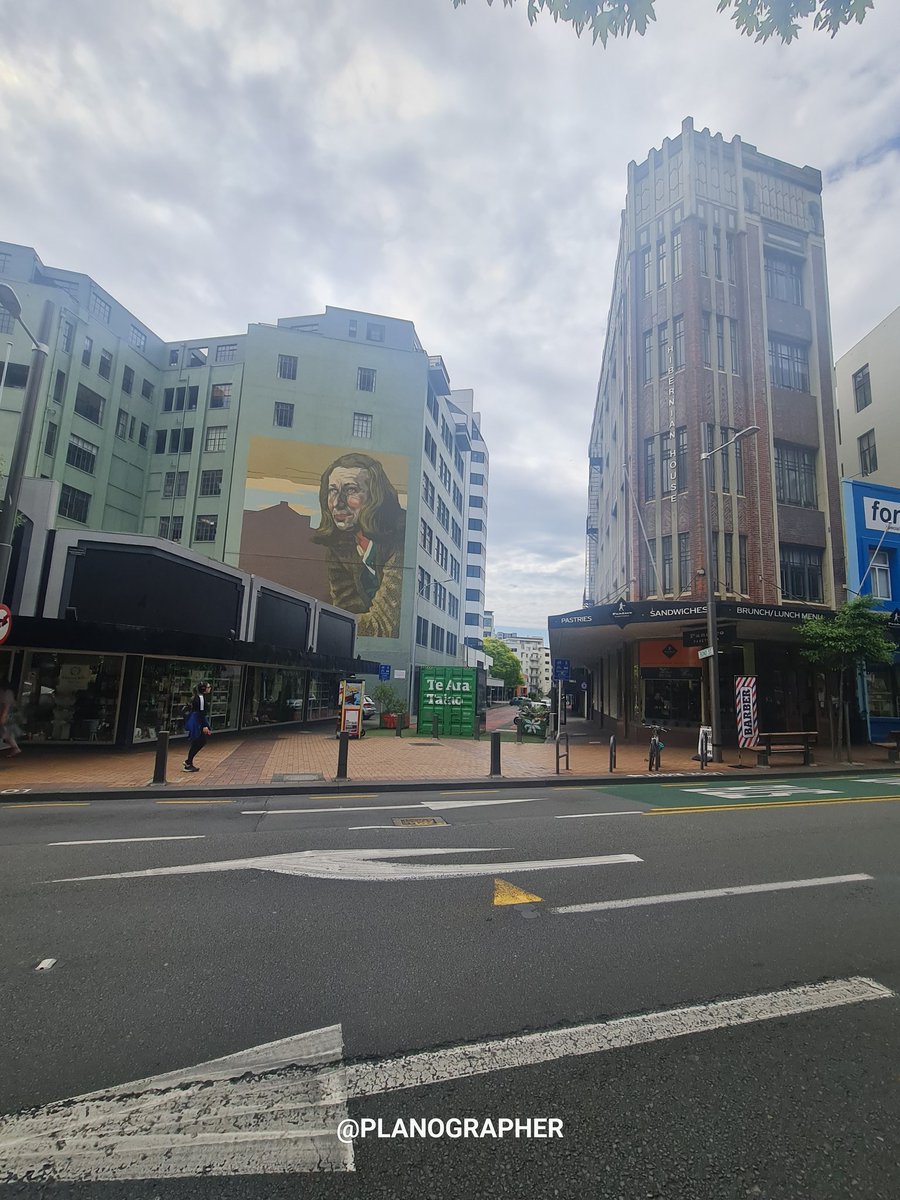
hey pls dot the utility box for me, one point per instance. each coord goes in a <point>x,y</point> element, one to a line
<point>450,694</point>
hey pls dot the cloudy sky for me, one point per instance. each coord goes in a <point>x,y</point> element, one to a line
<point>216,162</point>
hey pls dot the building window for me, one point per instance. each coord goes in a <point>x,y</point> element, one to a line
<point>662,275</point>
<point>50,438</point>
<point>725,457</point>
<point>676,254</point>
<point>457,491</point>
<point>453,606</point>
<point>122,424</point>
<point>789,364</point>
<point>717,251</point>
<point>362,425</point>
<point>880,573</point>
<point>427,490</point>
<point>646,259</point>
<point>729,565</point>
<point>720,343</point>
<point>100,309</point>
<point>459,462</point>
<point>283,416</point>
<point>161,439</point>
<point>678,342</point>
<point>735,352</point>
<point>226,352</point>
<point>430,448</point>
<point>175,397</point>
<point>685,581</point>
<point>440,596</point>
<point>729,254</point>
<point>681,457</point>
<point>706,345</point>
<point>647,371</point>
<point>472,619</point>
<point>446,435</point>
<point>451,644</point>
<point>137,338</point>
<point>205,528</point>
<point>89,405</point>
<point>424,584</point>
<point>649,584</point>
<point>175,485</point>
<point>456,530</point>
<point>795,475</point>
<point>211,483</point>
<point>739,468</point>
<point>784,279</point>
<point>742,563</point>
<point>181,441</point>
<point>131,426</point>
<point>86,351</point>
<point>104,366</point>
<point>74,504</point>
<point>171,527</point>
<point>441,554</point>
<point>219,395</point>
<point>650,468</point>
<point>82,455</point>
<point>704,260</point>
<point>68,336</point>
<point>59,387</point>
<point>437,638</point>
<point>127,381</point>
<point>147,389</point>
<point>667,565</point>
<point>426,536</point>
<point>868,457</point>
<point>173,357</point>
<point>862,388</point>
<point>365,379</point>
<point>454,569</point>
<point>143,435</point>
<point>663,345</point>
<point>216,438</point>
<point>801,573</point>
<point>443,514</point>
<point>444,474</point>
<point>374,332</point>
<point>421,631</point>
<point>432,404</point>
<point>351,328</point>
<point>287,366</point>
<point>7,322</point>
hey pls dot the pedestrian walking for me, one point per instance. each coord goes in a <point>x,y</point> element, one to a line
<point>197,724</point>
<point>9,729</point>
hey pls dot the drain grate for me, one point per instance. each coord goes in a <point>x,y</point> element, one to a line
<point>297,778</point>
<point>413,822</point>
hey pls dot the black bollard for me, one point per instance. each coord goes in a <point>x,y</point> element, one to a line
<point>162,756</point>
<point>343,748</point>
<point>398,728</point>
<point>612,754</point>
<point>434,726</point>
<point>495,752</point>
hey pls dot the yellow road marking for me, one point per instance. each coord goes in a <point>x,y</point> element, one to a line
<point>196,802</point>
<point>658,812</point>
<point>50,804</point>
<point>508,893</point>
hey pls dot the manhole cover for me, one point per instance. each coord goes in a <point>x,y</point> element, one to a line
<point>413,821</point>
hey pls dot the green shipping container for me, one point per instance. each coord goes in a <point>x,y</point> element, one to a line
<point>448,693</point>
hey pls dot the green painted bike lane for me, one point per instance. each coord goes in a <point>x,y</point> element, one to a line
<point>716,792</point>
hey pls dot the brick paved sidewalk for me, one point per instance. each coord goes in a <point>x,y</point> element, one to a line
<point>286,759</point>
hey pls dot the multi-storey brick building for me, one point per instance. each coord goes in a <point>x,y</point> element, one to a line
<point>719,322</point>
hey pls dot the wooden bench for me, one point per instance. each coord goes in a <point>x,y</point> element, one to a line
<point>892,747</point>
<point>800,742</point>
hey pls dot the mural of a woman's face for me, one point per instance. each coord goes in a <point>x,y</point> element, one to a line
<point>348,492</point>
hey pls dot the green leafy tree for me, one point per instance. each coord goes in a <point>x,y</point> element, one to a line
<point>857,634</point>
<point>759,19</point>
<point>506,665</point>
<point>389,700</point>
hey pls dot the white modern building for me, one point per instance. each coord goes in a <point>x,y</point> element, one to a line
<point>868,396</point>
<point>535,659</point>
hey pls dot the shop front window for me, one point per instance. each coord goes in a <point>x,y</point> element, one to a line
<point>323,701</point>
<point>274,695</point>
<point>671,701</point>
<point>70,697</point>
<point>166,686</point>
<point>884,691</point>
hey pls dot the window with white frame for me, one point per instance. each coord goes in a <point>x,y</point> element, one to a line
<point>205,528</point>
<point>211,482</point>
<point>283,416</point>
<point>287,366</point>
<point>362,425</point>
<point>365,379</point>
<point>226,352</point>
<point>216,438</point>
<point>81,454</point>
<point>880,573</point>
<point>137,338</point>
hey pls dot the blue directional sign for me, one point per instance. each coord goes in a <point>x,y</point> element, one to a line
<point>384,672</point>
<point>560,669</point>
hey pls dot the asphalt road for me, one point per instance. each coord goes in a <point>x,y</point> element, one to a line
<point>161,971</point>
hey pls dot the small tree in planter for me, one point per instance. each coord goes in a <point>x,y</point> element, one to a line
<point>391,704</point>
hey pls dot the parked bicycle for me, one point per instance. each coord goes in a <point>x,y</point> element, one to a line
<point>656,746</point>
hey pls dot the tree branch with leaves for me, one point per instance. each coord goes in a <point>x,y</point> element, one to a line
<point>759,19</point>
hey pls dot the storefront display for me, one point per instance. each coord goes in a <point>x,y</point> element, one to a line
<point>65,697</point>
<point>273,696</point>
<point>167,686</point>
<point>324,696</point>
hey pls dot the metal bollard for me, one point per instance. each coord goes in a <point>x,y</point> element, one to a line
<point>343,749</point>
<point>704,752</point>
<point>434,726</point>
<point>612,754</point>
<point>495,752</point>
<point>162,756</point>
<point>398,728</point>
<point>518,723</point>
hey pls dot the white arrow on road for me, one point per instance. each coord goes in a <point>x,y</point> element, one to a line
<point>370,865</point>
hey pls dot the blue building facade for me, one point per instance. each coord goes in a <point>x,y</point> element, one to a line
<point>872,523</point>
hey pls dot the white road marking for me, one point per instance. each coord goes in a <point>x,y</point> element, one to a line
<point>369,865</point>
<point>482,1058</point>
<point>184,837</point>
<point>45,964</point>
<point>710,894</point>
<point>237,1115</point>
<point>265,812</point>
<point>761,791</point>
<point>891,782</point>
<point>440,804</point>
<point>626,812</point>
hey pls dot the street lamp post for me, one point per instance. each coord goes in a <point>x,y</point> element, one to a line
<point>712,629</point>
<point>40,350</point>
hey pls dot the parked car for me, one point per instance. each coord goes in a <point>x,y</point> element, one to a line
<point>517,699</point>
<point>368,707</point>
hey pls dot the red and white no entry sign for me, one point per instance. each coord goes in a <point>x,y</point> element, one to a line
<point>5,623</point>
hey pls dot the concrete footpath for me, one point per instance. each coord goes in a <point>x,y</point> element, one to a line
<point>306,763</point>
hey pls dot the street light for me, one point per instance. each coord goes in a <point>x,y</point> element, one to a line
<point>9,301</point>
<point>712,630</point>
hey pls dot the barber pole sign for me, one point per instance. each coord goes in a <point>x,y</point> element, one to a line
<point>745,708</point>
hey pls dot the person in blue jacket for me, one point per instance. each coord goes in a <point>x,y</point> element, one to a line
<point>197,724</point>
